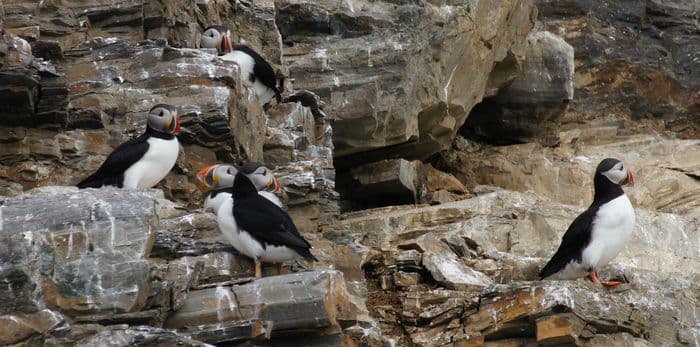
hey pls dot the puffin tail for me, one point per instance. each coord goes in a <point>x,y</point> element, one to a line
<point>553,266</point>
<point>306,254</point>
<point>97,182</point>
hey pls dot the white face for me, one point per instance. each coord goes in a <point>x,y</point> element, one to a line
<point>263,179</point>
<point>163,119</point>
<point>210,39</point>
<point>224,175</point>
<point>213,38</point>
<point>617,174</point>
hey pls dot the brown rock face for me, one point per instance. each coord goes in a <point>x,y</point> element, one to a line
<point>400,79</point>
<point>531,106</point>
<point>86,257</point>
<point>471,129</point>
<point>634,60</point>
<point>314,300</point>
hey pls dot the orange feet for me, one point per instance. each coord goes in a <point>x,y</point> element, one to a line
<point>595,279</point>
<point>279,268</point>
<point>258,269</point>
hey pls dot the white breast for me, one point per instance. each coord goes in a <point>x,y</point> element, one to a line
<point>244,243</point>
<point>245,62</point>
<point>154,165</point>
<point>240,240</point>
<point>612,228</point>
<point>213,204</point>
<point>247,66</point>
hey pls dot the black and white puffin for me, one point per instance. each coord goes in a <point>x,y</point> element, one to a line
<point>143,161</point>
<point>598,234</point>
<point>219,178</point>
<point>256,72</point>
<point>258,228</point>
<point>312,101</point>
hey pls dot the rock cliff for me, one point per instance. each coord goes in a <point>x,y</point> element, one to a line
<point>459,143</point>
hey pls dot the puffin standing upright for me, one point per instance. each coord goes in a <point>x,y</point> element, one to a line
<point>143,161</point>
<point>256,72</point>
<point>598,234</point>
<point>258,228</point>
<point>219,178</point>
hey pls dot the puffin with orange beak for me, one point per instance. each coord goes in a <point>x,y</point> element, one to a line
<point>144,161</point>
<point>256,72</point>
<point>257,227</point>
<point>601,232</point>
<point>219,179</point>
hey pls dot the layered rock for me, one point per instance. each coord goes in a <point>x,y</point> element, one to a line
<point>400,79</point>
<point>88,256</point>
<point>314,300</point>
<point>634,61</point>
<point>531,106</point>
<point>430,272</point>
<point>664,168</point>
<point>396,182</point>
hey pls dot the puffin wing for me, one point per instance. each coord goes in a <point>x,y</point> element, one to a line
<point>272,197</point>
<point>574,241</point>
<point>262,69</point>
<point>112,170</point>
<point>268,223</point>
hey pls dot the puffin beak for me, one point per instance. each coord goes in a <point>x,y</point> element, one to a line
<point>630,178</point>
<point>274,184</point>
<point>177,126</point>
<point>226,46</point>
<point>202,178</point>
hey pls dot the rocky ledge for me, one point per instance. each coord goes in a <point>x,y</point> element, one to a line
<point>462,136</point>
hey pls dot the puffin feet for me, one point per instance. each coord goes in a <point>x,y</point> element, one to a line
<point>279,268</point>
<point>258,269</point>
<point>609,284</point>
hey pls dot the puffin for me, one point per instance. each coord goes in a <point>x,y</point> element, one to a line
<point>219,178</point>
<point>144,161</point>
<point>256,72</point>
<point>312,101</point>
<point>601,232</point>
<point>258,228</point>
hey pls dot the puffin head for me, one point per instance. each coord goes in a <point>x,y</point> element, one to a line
<point>217,176</point>
<point>163,118</point>
<point>615,171</point>
<point>261,177</point>
<point>217,36</point>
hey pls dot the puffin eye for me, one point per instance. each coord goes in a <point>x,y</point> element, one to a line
<point>264,172</point>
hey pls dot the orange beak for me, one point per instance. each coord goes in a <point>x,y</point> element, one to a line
<point>278,186</point>
<point>630,178</point>
<point>202,177</point>
<point>176,129</point>
<point>226,46</point>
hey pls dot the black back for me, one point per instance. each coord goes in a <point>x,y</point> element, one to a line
<point>578,235</point>
<point>308,99</point>
<point>265,221</point>
<point>574,241</point>
<point>249,168</point>
<point>111,173</point>
<point>262,70</point>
